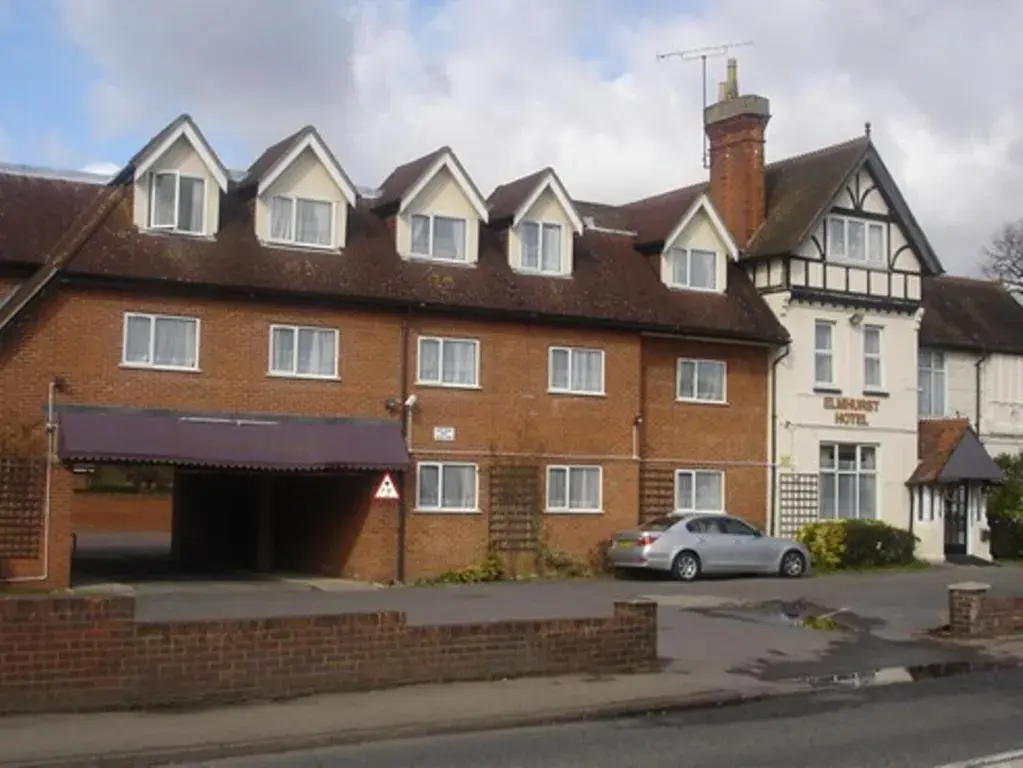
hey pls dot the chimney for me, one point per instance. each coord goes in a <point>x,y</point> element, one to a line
<point>735,128</point>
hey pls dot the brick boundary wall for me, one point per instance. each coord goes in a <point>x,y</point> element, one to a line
<point>972,612</point>
<point>89,653</point>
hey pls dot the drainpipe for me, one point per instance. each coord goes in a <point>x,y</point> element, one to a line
<point>774,437</point>
<point>978,378</point>
<point>406,412</point>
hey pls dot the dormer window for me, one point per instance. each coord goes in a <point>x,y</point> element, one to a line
<point>439,237</point>
<point>541,247</point>
<point>177,202</point>
<point>857,240</point>
<point>301,221</point>
<point>693,268</point>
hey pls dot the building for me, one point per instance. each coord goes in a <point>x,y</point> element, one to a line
<point>278,343</point>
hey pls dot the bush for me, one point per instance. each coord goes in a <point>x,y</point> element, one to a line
<point>1005,510</point>
<point>848,544</point>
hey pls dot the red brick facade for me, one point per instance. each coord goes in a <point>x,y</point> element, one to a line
<point>975,613</point>
<point>46,665</point>
<point>121,513</point>
<point>510,418</point>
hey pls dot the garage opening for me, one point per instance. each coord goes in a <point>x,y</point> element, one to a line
<point>217,499</point>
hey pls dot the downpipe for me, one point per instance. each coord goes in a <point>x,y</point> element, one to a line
<point>406,429</point>
<point>774,437</point>
<point>977,388</point>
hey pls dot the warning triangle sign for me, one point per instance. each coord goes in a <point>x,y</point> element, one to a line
<point>386,489</point>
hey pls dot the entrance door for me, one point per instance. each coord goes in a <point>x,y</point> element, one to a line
<point>957,520</point>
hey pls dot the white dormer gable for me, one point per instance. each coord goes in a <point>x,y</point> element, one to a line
<point>440,213</point>
<point>697,251</point>
<point>542,231</point>
<point>178,179</point>
<point>303,197</point>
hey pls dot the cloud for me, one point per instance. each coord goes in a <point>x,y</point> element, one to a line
<point>576,84</point>
<point>101,168</point>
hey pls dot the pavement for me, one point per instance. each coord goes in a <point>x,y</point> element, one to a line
<point>951,723</point>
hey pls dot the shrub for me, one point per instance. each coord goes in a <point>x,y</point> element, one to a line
<point>841,544</point>
<point>1005,510</point>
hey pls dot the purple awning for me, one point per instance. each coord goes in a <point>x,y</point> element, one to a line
<point>270,442</point>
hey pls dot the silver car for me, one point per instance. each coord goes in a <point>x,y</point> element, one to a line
<point>688,545</point>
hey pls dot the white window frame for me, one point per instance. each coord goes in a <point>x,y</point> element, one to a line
<point>693,473</point>
<point>178,176</point>
<point>927,369</point>
<point>697,364</point>
<point>868,224</point>
<point>442,340</point>
<point>829,353</point>
<point>572,351</point>
<point>858,472</point>
<point>433,221</point>
<point>293,240</point>
<point>687,253</point>
<point>440,508</point>
<point>153,318</point>
<point>878,356</point>
<point>294,373</point>
<point>568,469</point>
<point>540,225</point>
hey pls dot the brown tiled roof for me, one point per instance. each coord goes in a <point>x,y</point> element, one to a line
<point>404,177</point>
<point>936,440</point>
<point>505,200</point>
<point>604,216</point>
<point>271,155</point>
<point>612,284</point>
<point>129,169</point>
<point>653,218</point>
<point>972,315</point>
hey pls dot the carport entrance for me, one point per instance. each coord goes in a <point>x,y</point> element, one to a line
<point>249,496</point>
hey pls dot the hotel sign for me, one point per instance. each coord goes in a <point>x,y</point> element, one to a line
<point>851,410</point>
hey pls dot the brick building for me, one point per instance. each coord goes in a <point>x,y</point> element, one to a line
<point>529,372</point>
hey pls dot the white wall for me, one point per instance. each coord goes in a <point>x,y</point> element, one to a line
<point>181,156</point>
<point>700,233</point>
<point>546,210</point>
<point>444,197</point>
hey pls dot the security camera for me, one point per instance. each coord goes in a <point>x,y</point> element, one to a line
<point>411,401</point>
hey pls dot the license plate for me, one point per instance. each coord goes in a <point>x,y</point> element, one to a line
<point>623,544</point>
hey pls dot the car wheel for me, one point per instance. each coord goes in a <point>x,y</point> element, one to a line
<point>686,566</point>
<point>793,565</point>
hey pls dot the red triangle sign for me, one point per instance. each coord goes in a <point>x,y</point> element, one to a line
<point>386,489</point>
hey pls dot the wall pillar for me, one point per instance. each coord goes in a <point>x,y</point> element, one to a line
<point>266,510</point>
<point>965,601</point>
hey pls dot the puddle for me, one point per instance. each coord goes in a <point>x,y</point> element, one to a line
<point>909,674</point>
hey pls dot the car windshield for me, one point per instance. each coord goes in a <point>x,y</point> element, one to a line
<point>662,523</point>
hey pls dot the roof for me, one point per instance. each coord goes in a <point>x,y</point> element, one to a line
<point>236,442</point>
<point>277,158</point>
<point>506,199</point>
<point>612,284</point>
<point>403,178</point>
<point>949,451</point>
<point>798,192</point>
<point>972,315</point>
<point>185,125</point>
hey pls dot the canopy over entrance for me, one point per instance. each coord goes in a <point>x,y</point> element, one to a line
<point>950,452</point>
<point>262,442</point>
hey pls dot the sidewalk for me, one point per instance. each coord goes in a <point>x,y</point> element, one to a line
<point>147,738</point>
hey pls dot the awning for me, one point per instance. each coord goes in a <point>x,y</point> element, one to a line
<point>950,452</point>
<point>253,442</point>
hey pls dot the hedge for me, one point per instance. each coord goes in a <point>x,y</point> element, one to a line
<point>1005,510</point>
<point>841,544</point>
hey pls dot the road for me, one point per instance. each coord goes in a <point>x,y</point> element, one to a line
<point>917,725</point>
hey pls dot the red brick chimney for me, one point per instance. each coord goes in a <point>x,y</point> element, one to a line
<point>735,128</point>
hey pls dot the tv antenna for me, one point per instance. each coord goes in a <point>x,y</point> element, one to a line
<point>691,54</point>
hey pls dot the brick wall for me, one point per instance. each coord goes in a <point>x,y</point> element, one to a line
<point>511,415</point>
<point>89,653</point>
<point>973,612</point>
<point>121,512</point>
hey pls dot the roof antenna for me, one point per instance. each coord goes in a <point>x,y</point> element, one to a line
<point>703,54</point>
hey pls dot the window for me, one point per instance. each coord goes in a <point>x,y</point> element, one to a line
<point>701,380</point>
<point>161,341</point>
<point>931,374</point>
<point>303,352</point>
<point>305,222</point>
<point>446,487</point>
<point>574,489</point>
<point>176,202</point>
<point>823,353</point>
<point>848,481</point>
<point>573,370</point>
<point>439,237</point>
<point>693,268</point>
<point>541,247</point>
<point>699,491</point>
<point>731,526</point>
<point>856,240</point>
<point>448,362</point>
<point>872,357</point>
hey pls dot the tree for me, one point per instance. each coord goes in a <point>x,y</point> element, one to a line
<point>1003,257</point>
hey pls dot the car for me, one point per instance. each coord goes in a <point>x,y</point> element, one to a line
<point>689,545</point>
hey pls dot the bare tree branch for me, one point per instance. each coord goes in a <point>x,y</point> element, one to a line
<point>1003,257</point>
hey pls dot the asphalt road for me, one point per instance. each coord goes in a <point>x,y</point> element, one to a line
<point>922,725</point>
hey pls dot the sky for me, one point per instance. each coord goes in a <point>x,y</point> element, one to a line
<point>513,86</point>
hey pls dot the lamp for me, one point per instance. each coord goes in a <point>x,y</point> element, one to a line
<point>856,318</point>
